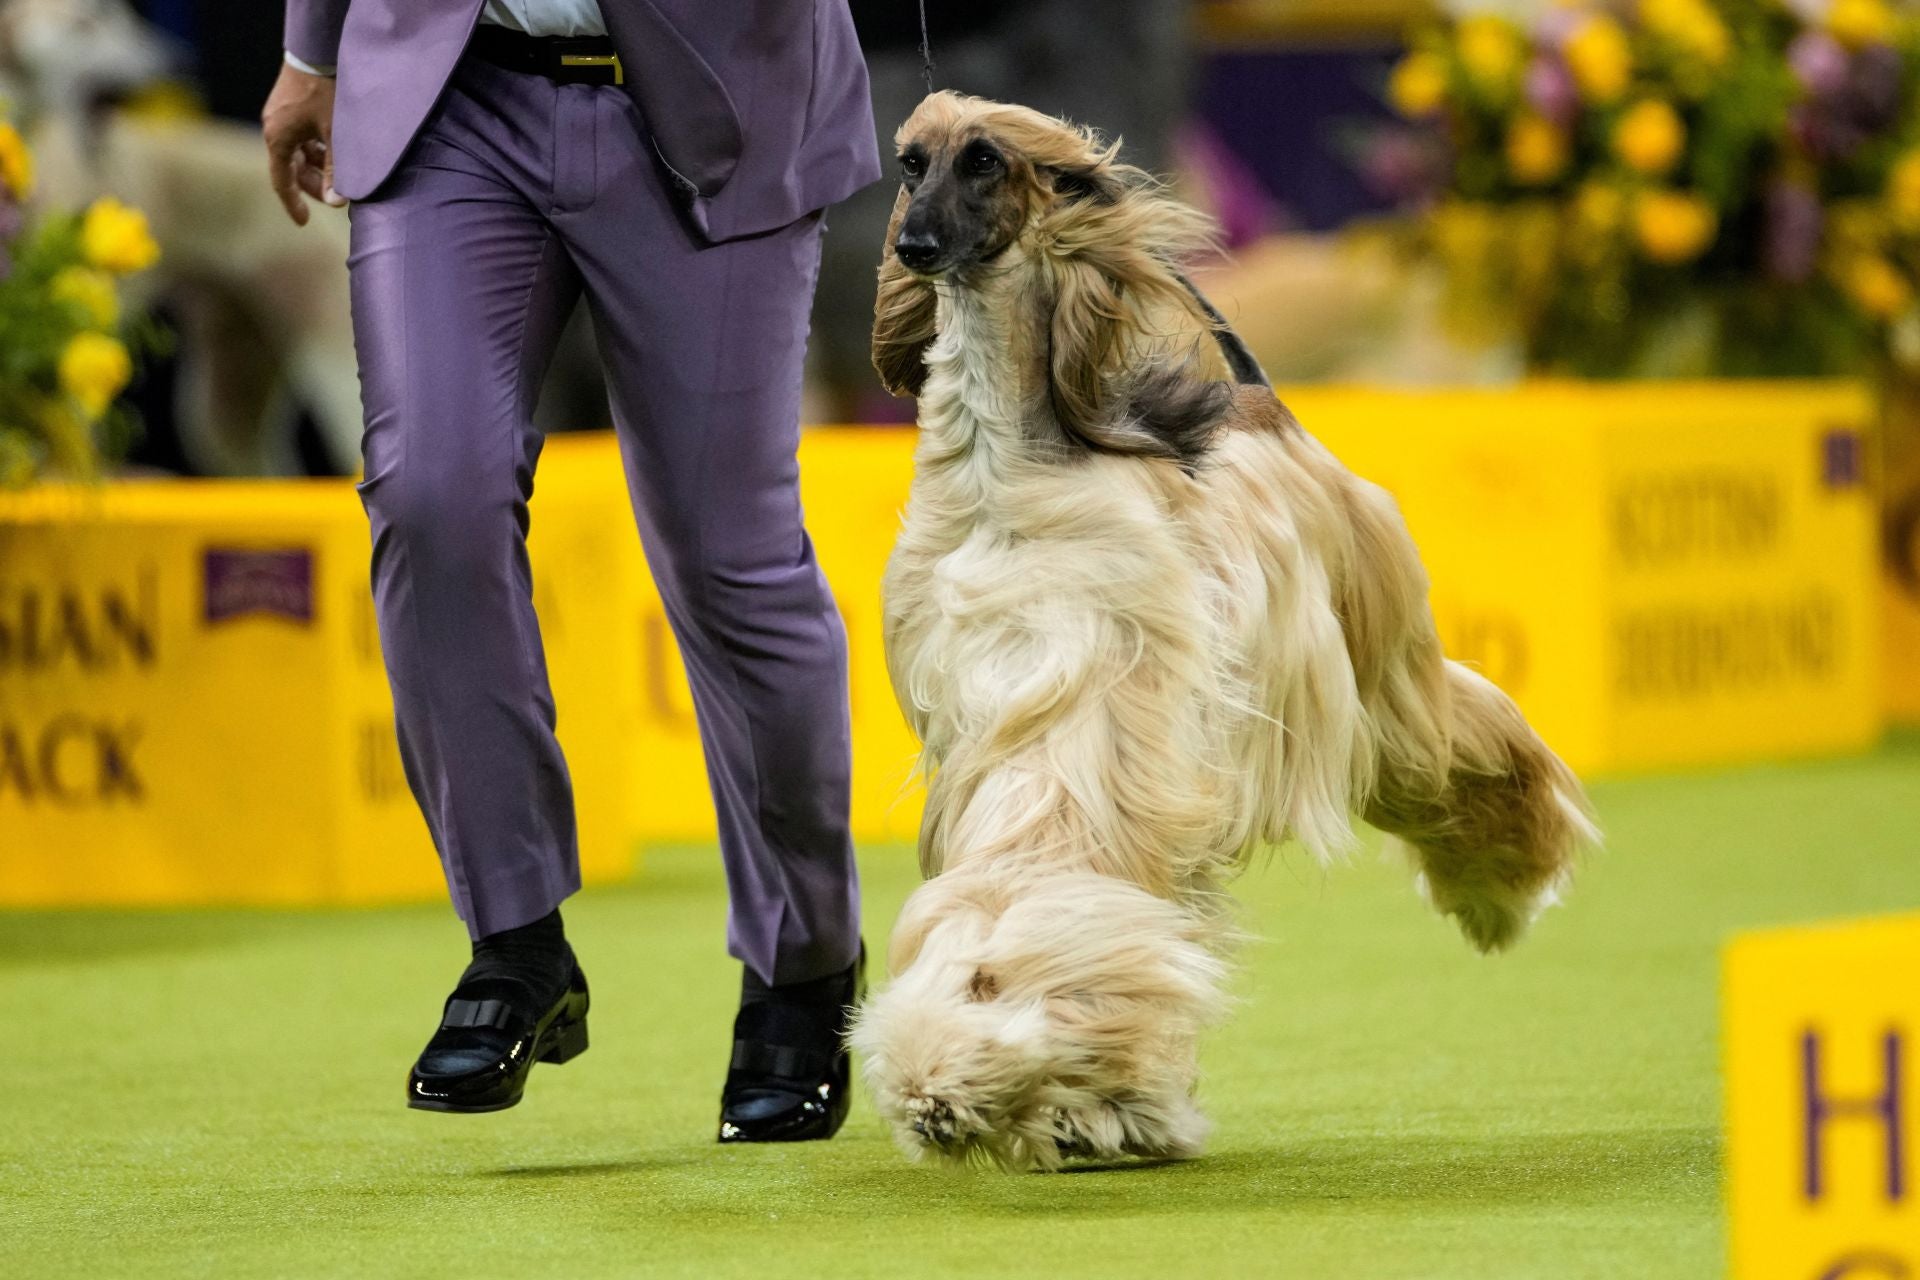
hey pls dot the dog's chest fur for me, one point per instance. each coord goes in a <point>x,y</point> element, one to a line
<point>1050,622</point>
<point>1153,653</point>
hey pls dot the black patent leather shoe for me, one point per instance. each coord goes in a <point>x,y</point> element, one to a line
<point>791,1075</point>
<point>493,1030</point>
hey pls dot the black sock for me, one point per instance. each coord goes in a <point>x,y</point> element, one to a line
<point>833,990</point>
<point>545,934</point>
<point>535,953</point>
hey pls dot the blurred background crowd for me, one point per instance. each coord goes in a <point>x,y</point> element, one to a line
<point>1274,114</point>
<point>1640,188</point>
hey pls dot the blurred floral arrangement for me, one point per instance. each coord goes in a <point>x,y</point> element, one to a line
<point>66,339</point>
<point>1668,186</point>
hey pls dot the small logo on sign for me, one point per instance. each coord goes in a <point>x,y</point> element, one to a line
<point>276,583</point>
<point>1842,459</point>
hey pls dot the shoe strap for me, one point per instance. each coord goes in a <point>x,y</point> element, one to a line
<point>781,1062</point>
<point>477,1013</point>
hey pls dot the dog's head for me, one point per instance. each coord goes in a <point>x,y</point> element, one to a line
<point>974,174</point>
<point>990,191</point>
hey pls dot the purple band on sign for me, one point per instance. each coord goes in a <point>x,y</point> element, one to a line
<point>276,583</point>
<point>1842,459</point>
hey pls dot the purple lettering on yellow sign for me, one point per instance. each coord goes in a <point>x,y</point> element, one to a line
<point>277,583</point>
<point>1843,459</point>
<point>1822,1109</point>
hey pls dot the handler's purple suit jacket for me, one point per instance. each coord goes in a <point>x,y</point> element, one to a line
<point>758,109</point>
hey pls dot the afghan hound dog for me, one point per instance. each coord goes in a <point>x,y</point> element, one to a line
<point>1144,625</point>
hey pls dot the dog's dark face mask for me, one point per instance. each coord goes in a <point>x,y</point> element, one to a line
<point>966,203</point>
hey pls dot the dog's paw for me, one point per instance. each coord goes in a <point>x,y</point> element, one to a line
<point>933,1122</point>
<point>1088,1133</point>
<point>1492,916</point>
<point>1165,1128</point>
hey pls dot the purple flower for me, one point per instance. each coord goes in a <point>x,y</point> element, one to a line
<point>1872,91</point>
<point>1819,63</point>
<point>1824,135</point>
<point>12,219</point>
<point>1551,91</point>
<point>1400,165</point>
<point>1791,239</point>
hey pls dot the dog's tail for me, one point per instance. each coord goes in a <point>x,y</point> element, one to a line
<point>1495,833</point>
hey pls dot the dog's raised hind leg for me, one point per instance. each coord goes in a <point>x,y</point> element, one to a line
<point>1496,840</point>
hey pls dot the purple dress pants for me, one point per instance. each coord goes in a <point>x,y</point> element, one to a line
<point>519,198</point>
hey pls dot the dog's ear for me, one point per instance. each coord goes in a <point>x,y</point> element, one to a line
<point>1087,334</point>
<point>1120,379</point>
<point>1162,408</point>
<point>1083,182</point>
<point>903,317</point>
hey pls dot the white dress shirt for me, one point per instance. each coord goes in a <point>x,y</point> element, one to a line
<point>535,17</point>
<point>546,17</point>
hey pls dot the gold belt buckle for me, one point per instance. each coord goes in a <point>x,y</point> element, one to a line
<point>596,60</point>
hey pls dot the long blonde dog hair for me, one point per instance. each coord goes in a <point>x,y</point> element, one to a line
<point>1144,625</point>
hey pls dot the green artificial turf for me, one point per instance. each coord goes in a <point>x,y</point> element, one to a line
<point>219,1094</point>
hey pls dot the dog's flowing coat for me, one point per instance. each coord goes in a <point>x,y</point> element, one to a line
<point>1143,625</point>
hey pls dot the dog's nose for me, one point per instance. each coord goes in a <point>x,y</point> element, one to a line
<point>917,250</point>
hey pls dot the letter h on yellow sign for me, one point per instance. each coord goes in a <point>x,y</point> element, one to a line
<point>1822,1028</point>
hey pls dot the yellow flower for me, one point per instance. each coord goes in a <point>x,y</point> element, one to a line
<point>1537,151</point>
<point>1464,232</point>
<point>93,370</point>
<point>1673,227</point>
<point>1860,22</point>
<point>1903,191</point>
<point>1650,137</point>
<point>1690,24</point>
<point>90,291</point>
<point>16,162</point>
<point>115,238</point>
<point>1418,86</point>
<point>1600,59</point>
<point>1878,287</point>
<point>1598,209</point>
<point>1490,50</point>
<point>1594,220</point>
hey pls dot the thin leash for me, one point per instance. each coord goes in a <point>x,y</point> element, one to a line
<point>926,46</point>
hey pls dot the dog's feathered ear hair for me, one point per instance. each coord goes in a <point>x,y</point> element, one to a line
<point>903,317</point>
<point>1161,409</point>
<point>1083,182</point>
<point>1088,338</point>
<point>1115,251</point>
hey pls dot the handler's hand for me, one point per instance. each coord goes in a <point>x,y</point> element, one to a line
<point>298,123</point>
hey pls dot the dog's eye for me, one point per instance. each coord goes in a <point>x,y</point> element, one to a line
<point>912,165</point>
<point>982,161</point>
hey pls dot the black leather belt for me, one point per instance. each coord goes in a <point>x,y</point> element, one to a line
<point>567,59</point>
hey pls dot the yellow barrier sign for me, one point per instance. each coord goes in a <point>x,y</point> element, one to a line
<point>1903,634</point>
<point>1660,574</point>
<point>1823,1102</point>
<point>193,708</point>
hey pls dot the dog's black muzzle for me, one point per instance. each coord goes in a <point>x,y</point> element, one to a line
<point>919,251</point>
